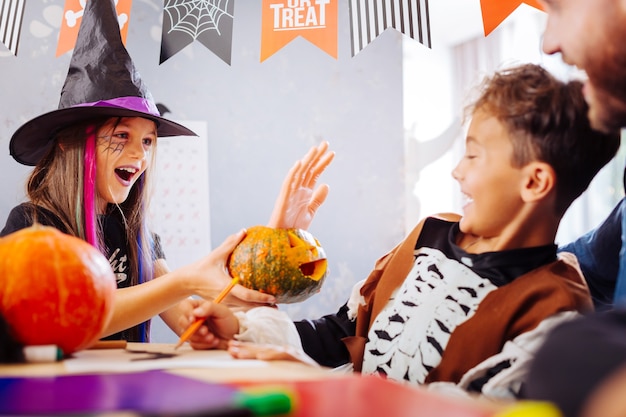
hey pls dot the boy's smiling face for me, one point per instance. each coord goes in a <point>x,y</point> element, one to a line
<point>123,153</point>
<point>488,180</point>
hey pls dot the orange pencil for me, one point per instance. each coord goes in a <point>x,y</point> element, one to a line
<point>196,325</point>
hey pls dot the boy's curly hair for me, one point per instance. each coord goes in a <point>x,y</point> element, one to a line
<point>547,121</point>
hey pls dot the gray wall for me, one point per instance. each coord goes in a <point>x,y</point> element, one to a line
<point>261,117</point>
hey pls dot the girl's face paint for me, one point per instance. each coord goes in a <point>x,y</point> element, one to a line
<point>123,152</point>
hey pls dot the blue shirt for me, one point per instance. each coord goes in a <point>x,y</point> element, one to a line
<point>602,257</point>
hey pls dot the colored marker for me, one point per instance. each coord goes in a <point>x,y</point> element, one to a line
<point>42,353</point>
<point>266,401</point>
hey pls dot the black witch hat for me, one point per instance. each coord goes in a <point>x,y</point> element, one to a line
<point>102,81</point>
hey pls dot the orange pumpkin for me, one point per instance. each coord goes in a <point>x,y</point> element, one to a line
<point>54,288</point>
<point>287,263</point>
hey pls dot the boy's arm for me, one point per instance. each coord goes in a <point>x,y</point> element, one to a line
<point>322,338</point>
<point>319,339</point>
<point>267,325</point>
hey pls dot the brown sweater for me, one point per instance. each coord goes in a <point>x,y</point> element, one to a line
<point>503,314</point>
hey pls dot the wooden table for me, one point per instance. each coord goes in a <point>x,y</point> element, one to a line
<point>275,370</point>
<point>318,392</point>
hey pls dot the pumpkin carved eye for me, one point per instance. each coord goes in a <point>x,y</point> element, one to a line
<point>294,240</point>
<point>314,270</point>
<point>287,263</point>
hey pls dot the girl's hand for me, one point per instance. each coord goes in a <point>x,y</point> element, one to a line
<point>209,276</point>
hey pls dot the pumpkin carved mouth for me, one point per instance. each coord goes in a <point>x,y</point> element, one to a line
<point>315,270</point>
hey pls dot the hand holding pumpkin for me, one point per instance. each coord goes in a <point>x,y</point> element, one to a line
<point>209,276</point>
<point>299,200</point>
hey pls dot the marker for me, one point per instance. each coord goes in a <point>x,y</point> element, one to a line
<point>264,401</point>
<point>528,408</point>
<point>42,353</point>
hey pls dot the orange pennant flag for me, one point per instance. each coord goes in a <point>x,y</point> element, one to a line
<point>285,20</point>
<point>72,16</point>
<point>495,11</point>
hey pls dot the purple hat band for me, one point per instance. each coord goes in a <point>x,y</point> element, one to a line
<point>130,103</point>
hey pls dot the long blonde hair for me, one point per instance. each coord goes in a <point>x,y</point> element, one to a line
<point>58,184</point>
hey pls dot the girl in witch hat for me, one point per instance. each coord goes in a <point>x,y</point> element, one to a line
<point>93,158</point>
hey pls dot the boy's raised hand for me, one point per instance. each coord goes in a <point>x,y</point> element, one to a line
<point>298,200</point>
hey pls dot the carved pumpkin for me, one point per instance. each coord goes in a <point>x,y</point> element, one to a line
<point>290,264</point>
<point>54,288</point>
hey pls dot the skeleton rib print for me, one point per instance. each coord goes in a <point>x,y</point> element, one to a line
<point>408,337</point>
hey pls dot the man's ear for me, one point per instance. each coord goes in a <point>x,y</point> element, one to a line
<point>539,181</point>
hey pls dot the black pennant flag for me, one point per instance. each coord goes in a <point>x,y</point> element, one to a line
<point>210,22</point>
<point>370,18</point>
<point>11,14</point>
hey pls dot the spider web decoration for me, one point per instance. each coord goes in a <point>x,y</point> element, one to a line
<point>210,22</point>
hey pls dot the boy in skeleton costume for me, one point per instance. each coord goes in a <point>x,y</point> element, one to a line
<point>463,301</point>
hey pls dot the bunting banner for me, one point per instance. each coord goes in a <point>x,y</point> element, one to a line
<point>495,11</point>
<point>284,20</point>
<point>370,18</point>
<point>11,14</point>
<point>72,16</point>
<point>210,22</point>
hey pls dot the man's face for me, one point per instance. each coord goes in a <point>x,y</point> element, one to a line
<point>591,34</point>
